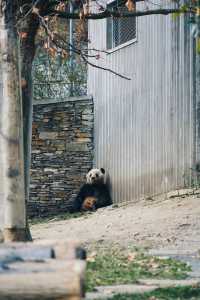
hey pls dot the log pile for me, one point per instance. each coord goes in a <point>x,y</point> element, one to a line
<point>45,270</point>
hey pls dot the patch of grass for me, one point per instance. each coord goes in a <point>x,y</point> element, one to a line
<point>177,293</point>
<point>112,266</point>
<point>60,217</point>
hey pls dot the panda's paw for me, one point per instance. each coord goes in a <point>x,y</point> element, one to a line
<point>89,203</point>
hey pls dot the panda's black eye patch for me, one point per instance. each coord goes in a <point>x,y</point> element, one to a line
<point>97,175</point>
<point>90,175</point>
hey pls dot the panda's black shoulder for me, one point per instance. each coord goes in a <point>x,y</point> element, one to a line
<point>86,187</point>
<point>100,186</point>
<point>92,189</point>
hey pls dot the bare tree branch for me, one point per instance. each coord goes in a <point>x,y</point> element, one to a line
<point>117,14</point>
<point>103,68</point>
<point>62,44</point>
<point>28,12</point>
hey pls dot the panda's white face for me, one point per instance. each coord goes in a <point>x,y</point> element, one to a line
<point>95,175</point>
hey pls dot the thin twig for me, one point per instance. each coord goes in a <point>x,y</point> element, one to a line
<point>77,51</point>
<point>28,12</point>
<point>105,69</point>
<point>96,50</point>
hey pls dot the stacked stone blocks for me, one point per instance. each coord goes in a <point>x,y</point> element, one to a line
<point>62,153</point>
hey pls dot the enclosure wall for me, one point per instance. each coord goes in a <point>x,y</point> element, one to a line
<point>145,128</point>
<point>62,153</point>
<point>1,162</point>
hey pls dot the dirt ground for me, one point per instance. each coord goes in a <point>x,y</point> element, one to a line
<point>170,221</point>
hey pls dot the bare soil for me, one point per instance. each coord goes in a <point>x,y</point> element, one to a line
<point>169,221</point>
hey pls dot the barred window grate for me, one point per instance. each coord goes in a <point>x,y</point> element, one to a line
<point>120,30</point>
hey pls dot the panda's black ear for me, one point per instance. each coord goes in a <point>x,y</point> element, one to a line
<point>89,170</point>
<point>102,170</point>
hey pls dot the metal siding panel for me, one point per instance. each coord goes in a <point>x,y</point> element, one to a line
<point>144,127</point>
<point>1,163</point>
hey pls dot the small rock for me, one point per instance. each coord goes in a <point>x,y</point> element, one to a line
<point>136,234</point>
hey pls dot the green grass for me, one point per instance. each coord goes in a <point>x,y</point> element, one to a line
<point>178,293</point>
<point>110,267</point>
<point>60,217</point>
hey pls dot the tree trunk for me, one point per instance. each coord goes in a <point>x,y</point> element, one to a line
<point>28,29</point>
<point>11,126</point>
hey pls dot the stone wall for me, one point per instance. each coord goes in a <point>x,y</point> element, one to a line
<point>62,153</point>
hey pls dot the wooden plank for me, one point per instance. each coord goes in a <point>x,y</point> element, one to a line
<point>53,279</point>
<point>31,253</point>
<point>63,249</point>
<point>43,270</point>
<point>52,265</point>
<point>46,285</point>
<point>67,249</point>
<point>43,250</point>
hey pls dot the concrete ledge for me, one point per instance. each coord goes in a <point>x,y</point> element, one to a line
<point>70,99</point>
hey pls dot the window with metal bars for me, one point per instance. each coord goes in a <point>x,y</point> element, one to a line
<point>120,31</point>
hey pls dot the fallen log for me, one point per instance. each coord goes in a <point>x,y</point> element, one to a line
<point>41,275</point>
<point>43,250</point>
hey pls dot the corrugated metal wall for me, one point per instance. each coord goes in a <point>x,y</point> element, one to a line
<point>1,163</point>
<point>145,128</point>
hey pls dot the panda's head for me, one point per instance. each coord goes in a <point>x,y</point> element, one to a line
<point>95,176</point>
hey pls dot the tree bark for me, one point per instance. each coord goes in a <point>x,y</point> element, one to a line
<point>11,126</point>
<point>28,29</point>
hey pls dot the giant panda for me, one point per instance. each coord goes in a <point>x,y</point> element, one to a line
<point>94,193</point>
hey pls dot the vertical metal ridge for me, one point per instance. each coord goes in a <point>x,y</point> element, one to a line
<point>144,128</point>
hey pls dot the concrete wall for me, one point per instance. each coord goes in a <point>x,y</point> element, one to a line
<point>62,153</point>
<point>145,128</point>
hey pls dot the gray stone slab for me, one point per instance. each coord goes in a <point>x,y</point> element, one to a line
<point>165,283</point>
<point>47,135</point>
<point>103,292</point>
<point>143,286</point>
<point>173,252</point>
<point>73,146</point>
<point>190,257</point>
<point>70,99</point>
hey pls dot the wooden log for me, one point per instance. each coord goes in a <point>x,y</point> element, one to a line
<point>58,285</point>
<point>32,253</point>
<point>67,249</point>
<point>43,270</point>
<point>44,250</point>
<point>19,266</point>
<point>53,279</point>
